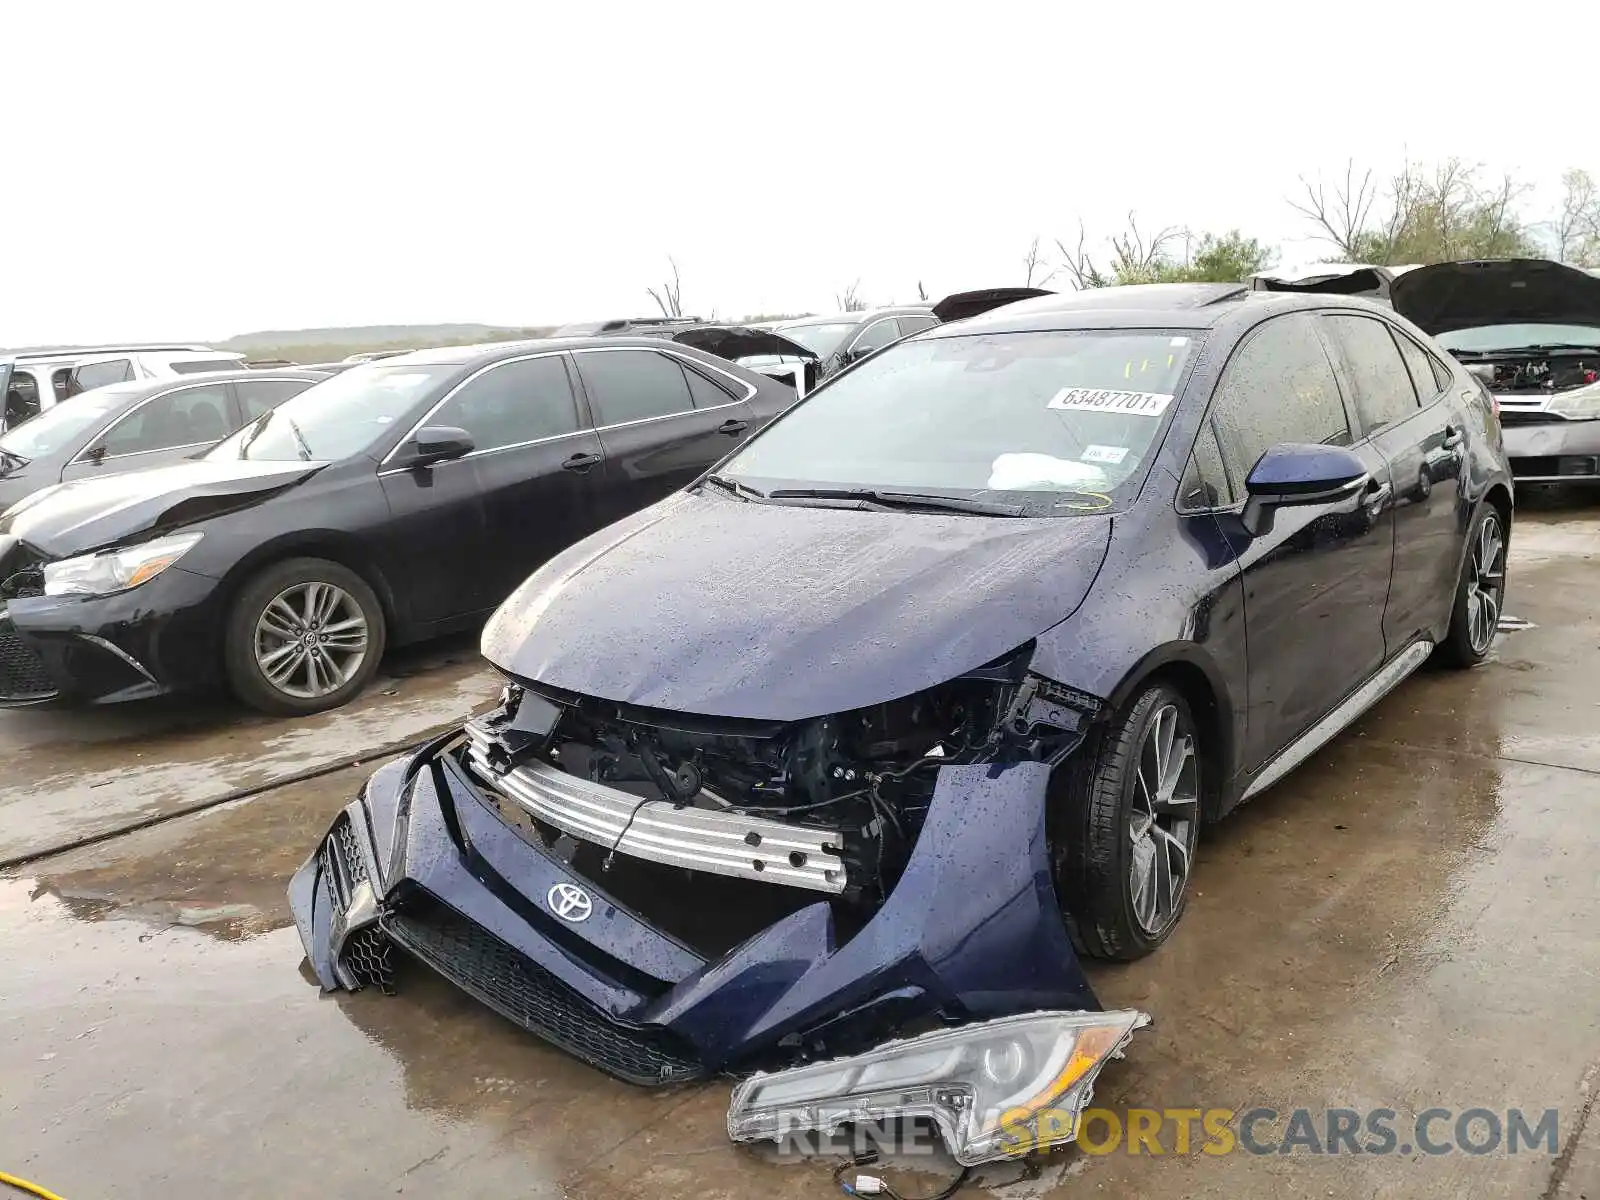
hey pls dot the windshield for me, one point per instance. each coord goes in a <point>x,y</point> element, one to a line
<point>1056,421</point>
<point>824,339</point>
<point>336,418</point>
<point>1486,338</point>
<point>59,426</point>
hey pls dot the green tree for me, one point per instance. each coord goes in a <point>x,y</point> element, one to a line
<point>1227,258</point>
<point>1139,258</point>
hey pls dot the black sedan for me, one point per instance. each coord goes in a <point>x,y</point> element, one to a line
<point>129,426</point>
<point>396,501</point>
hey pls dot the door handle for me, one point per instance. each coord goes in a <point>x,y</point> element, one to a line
<point>1376,496</point>
<point>733,426</point>
<point>580,462</point>
<point>1453,437</point>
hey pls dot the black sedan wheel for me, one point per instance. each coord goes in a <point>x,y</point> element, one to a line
<point>1480,594</point>
<point>303,636</point>
<point>1126,845</point>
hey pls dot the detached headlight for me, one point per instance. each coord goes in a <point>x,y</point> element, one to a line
<point>996,1089</point>
<point>1578,404</point>
<point>116,570</point>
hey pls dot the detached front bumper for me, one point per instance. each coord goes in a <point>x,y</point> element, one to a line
<point>422,863</point>
<point>156,638</point>
<point>1553,451</point>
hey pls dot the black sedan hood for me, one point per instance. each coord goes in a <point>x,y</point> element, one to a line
<point>1506,291</point>
<point>87,514</point>
<point>721,608</point>
<point>734,342</point>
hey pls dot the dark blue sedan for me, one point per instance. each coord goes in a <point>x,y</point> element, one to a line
<point>935,680</point>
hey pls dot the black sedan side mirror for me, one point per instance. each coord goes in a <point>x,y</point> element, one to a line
<point>1293,474</point>
<point>438,443</point>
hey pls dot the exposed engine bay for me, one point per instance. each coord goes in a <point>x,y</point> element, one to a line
<point>1522,374</point>
<point>832,804</point>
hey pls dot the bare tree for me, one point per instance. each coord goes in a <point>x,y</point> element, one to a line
<point>849,300</point>
<point>922,292</point>
<point>1576,229</point>
<point>1037,267</point>
<point>1138,259</point>
<point>670,298</point>
<point>1080,268</point>
<point>1343,217</point>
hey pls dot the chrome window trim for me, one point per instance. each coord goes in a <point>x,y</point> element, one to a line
<point>670,351</point>
<point>750,390</point>
<point>851,345</point>
<point>118,420</point>
<point>451,395</point>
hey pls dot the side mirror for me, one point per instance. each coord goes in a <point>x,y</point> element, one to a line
<point>1294,473</point>
<point>439,443</point>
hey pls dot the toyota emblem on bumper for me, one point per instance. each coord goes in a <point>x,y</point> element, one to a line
<point>569,902</point>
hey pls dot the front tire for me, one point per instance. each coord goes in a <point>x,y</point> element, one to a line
<point>1480,593</point>
<point>303,636</point>
<point>1126,847</point>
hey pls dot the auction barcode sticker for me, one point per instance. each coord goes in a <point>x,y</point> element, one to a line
<point>1141,404</point>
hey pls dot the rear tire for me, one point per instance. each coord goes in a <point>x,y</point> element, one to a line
<point>1480,593</point>
<point>303,636</point>
<point>1125,845</point>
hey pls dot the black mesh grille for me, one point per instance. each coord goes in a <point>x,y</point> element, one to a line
<point>22,673</point>
<point>369,957</point>
<point>520,990</point>
<point>350,859</point>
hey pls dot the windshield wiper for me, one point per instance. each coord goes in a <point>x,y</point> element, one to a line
<point>928,500</point>
<point>259,424</point>
<point>299,439</point>
<point>732,486</point>
<point>1531,348</point>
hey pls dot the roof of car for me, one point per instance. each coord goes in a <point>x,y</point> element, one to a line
<point>139,388</point>
<point>1138,306</point>
<point>856,317</point>
<point>486,352</point>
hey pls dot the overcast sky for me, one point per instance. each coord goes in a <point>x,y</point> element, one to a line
<point>199,171</point>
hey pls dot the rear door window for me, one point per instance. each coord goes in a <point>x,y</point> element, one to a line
<point>263,395</point>
<point>632,385</point>
<point>874,336</point>
<point>193,416</point>
<point>705,392</point>
<point>1384,393</point>
<point>513,403</point>
<point>1420,365</point>
<point>1279,387</point>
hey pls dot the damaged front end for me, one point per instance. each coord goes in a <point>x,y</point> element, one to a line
<point>669,896</point>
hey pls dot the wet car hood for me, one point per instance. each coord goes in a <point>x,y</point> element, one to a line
<point>717,607</point>
<point>1509,291</point>
<point>735,342</point>
<point>958,306</point>
<point>87,514</point>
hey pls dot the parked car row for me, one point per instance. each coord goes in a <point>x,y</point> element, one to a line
<point>34,381</point>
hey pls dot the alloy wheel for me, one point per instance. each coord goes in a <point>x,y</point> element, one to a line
<point>1486,582</point>
<point>310,640</point>
<point>1163,820</point>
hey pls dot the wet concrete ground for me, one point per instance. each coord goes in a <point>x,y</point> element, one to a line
<point>1406,922</point>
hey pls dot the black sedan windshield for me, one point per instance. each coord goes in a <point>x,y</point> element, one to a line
<point>1057,421</point>
<point>336,418</point>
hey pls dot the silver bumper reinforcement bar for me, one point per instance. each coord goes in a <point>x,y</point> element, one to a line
<point>699,839</point>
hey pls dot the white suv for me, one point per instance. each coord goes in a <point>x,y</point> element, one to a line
<point>34,381</point>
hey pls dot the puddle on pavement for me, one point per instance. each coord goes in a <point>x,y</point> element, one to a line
<point>54,793</point>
